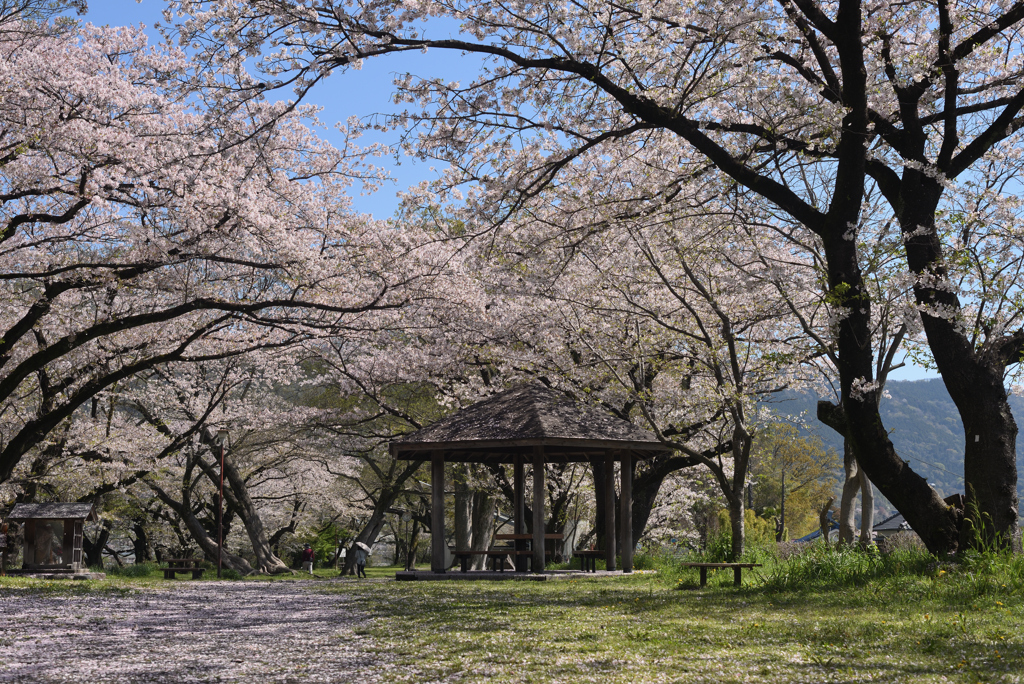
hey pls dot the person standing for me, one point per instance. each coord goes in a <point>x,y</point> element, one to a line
<point>361,551</point>
<point>307,559</point>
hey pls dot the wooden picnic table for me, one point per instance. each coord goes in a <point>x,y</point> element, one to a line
<point>522,547</point>
<point>175,565</point>
<point>588,559</point>
<point>496,554</point>
<point>737,569</point>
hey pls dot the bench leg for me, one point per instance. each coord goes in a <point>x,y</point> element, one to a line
<point>703,577</point>
<point>736,576</point>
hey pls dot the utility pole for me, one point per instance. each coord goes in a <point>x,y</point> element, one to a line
<point>222,437</point>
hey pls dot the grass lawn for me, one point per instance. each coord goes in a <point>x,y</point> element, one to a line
<point>825,617</point>
<point>651,628</point>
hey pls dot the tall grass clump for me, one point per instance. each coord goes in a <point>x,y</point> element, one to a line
<point>823,565</point>
<point>759,542</point>
<point>134,570</point>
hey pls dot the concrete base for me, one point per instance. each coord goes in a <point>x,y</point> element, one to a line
<point>429,576</point>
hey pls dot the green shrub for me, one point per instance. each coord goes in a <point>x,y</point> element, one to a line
<point>645,560</point>
<point>136,570</point>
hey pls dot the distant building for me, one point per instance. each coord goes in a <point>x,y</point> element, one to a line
<point>890,526</point>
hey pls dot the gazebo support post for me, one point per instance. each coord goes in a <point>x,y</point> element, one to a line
<point>626,511</point>
<point>538,509</point>
<point>609,511</point>
<point>437,543</point>
<point>519,511</point>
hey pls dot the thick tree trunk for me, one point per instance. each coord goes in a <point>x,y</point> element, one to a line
<point>737,526</point>
<point>851,487</point>
<point>371,530</point>
<point>140,542</point>
<point>385,500</point>
<point>93,550</point>
<point>597,469</point>
<point>990,465</point>
<point>859,417</point>
<point>645,493</point>
<point>935,522</point>
<point>973,377</point>
<point>741,445</point>
<point>867,511</point>
<point>266,561</point>
<point>463,508</point>
<point>207,544</point>
<point>483,526</point>
<point>414,545</point>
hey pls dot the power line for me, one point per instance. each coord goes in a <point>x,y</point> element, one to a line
<point>939,466</point>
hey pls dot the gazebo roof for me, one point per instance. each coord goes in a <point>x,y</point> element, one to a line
<point>514,422</point>
<point>53,511</point>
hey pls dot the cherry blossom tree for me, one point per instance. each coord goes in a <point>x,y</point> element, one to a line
<point>672,318</point>
<point>809,105</point>
<point>139,226</point>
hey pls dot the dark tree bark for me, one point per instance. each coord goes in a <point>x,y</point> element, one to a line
<point>483,525</point>
<point>463,507</point>
<point>414,545</point>
<point>140,541</point>
<point>93,549</point>
<point>198,532</point>
<point>236,494</point>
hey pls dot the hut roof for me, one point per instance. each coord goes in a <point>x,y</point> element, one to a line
<point>516,421</point>
<point>53,511</point>
<point>894,523</point>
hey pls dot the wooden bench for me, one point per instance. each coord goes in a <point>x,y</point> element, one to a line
<point>175,565</point>
<point>737,569</point>
<point>523,544</point>
<point>588,559</point>
<point>526,537</point>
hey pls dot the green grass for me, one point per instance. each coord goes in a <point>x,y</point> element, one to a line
<point>823,616</point>
<point>895,620</point>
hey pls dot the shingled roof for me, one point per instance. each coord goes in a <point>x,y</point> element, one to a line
<point>515,421</point>
<point>53,511</point>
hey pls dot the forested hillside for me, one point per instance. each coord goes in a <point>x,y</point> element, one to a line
<point>923,424</point>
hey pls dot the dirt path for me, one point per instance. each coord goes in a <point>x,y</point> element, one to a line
<point>190,632</point>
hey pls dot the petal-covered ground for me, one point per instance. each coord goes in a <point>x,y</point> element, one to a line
<point>189,632</point>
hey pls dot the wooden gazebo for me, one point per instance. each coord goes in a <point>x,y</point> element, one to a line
<point>545,426</point>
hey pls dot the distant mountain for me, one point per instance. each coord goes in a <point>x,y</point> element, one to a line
<point>924,426</point>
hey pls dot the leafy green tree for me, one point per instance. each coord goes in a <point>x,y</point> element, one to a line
<point>792,475</point>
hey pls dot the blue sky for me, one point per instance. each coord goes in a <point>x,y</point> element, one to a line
<point>355,93</point>
<point>361,93</point>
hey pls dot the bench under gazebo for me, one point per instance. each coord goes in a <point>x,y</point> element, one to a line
<point>538,425</point>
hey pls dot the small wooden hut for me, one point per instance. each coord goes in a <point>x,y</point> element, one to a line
<point>53,535</point>
<point>537,425</point>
